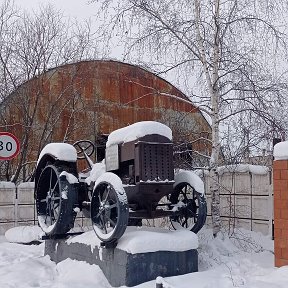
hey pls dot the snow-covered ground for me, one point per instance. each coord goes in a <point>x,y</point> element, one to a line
<point>246,260</point>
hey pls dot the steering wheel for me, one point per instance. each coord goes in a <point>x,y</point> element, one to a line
<point>84,147</point>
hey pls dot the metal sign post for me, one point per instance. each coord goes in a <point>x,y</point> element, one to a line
<point>9,146</point>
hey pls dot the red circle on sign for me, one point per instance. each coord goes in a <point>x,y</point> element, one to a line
<point>17,150</point>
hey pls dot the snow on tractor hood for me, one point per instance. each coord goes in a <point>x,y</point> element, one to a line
<point>138,130</point>
<point>59,151</point>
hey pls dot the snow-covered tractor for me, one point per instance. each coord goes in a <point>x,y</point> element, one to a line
<point>135,181</point>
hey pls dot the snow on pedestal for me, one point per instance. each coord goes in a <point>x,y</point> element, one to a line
<point>145,239</point>
<point>141,255</point>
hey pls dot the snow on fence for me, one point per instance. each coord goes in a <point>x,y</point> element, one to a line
<point>246,201</point>
<point>246,198</point>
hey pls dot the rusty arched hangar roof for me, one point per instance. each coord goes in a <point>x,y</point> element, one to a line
<point>105,95</point>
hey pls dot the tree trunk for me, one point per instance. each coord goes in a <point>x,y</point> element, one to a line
<point>212,82</point>
<point>214,161</point>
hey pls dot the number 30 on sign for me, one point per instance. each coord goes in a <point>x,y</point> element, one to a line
<point>9,146</point>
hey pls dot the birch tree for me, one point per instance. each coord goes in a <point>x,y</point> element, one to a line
<point>225,52</point>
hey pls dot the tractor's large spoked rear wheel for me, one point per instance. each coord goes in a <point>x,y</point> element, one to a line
<point>109,212</point>
<point>55,200</point>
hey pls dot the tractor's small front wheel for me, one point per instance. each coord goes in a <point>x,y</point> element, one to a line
<point>109,208</point>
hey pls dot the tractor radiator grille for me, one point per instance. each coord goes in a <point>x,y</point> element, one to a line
<point>155,161</point>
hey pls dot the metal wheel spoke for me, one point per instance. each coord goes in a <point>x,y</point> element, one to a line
<point>108,192</point>
<point>99,215</point>
<point>49,210</point>
<point>45,220</point>
<point>111,222</point>
<point>112,206</point>
<point>101,222</point>
<point>56,205</point>
<point>99,198</point>
<point>52,211</point>
<point>55,215</point>
<point>55,212</point>
<point>53,189</point>
<point>185,194</point>
<point>192,212</point>
<point>48,220</point>
<point>104,225</point>
<point>50,181</point>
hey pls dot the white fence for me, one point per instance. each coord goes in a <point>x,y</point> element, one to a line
<point>246,201</point>
<point>16,205</point>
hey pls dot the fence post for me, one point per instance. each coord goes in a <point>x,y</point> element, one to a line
<point>16,206</point>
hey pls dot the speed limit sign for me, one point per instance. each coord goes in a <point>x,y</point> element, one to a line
<point>9,146</point>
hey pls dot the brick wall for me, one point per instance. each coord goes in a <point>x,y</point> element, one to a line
<point>280,180</point>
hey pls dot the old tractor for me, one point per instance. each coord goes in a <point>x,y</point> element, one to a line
<point>135,181</point>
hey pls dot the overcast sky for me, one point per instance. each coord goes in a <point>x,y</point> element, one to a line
<point>73,8</point>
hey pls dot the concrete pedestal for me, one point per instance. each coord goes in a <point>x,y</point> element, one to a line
<point>119,266</point>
